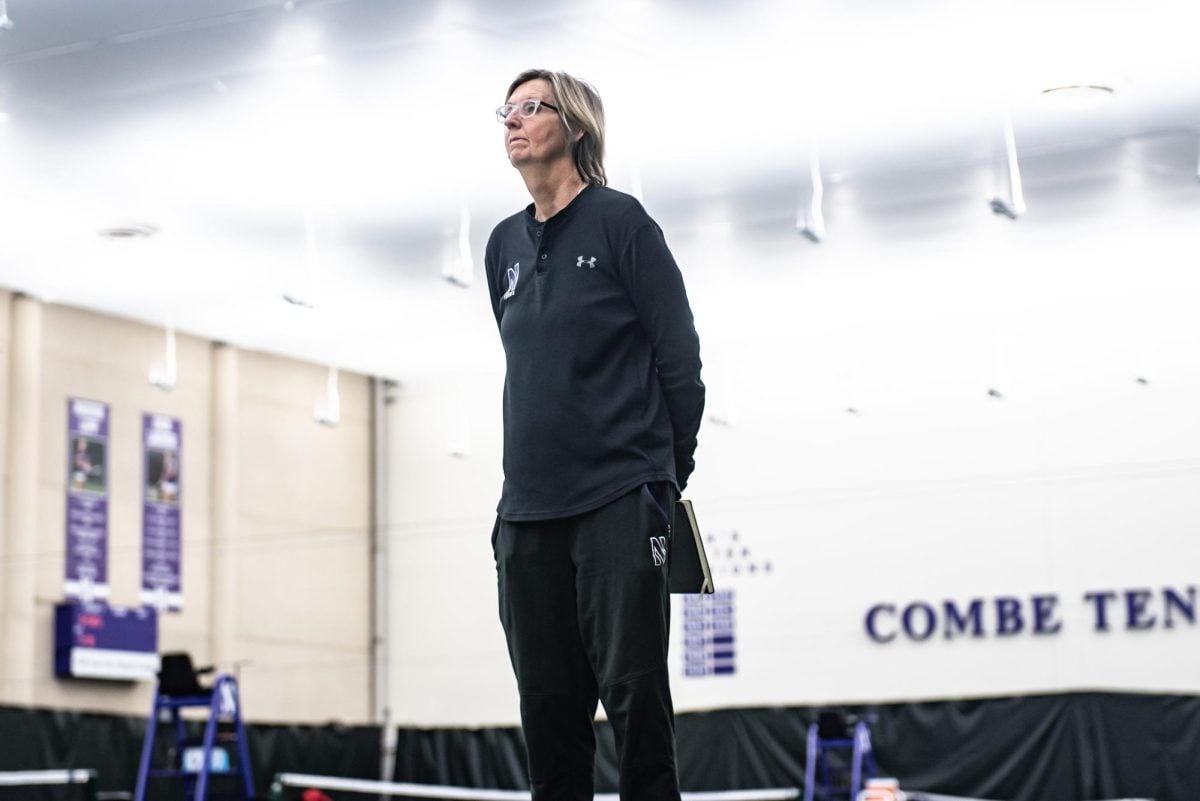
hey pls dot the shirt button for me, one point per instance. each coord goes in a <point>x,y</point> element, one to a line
<point>544,256</point>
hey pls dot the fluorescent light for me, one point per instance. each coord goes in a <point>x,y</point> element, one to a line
<point>164,376</point>
<point>328,410</point>
<point>1011,201</point>
<point>1079,96</point>
<point>458,268</point>
<point>811,219</point>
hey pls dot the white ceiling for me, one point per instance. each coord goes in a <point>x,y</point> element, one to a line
<point>329,151</point>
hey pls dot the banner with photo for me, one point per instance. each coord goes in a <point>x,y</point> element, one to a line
<point>161,545</point>
<point>86,563</point>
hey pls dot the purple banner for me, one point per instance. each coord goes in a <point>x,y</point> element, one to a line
<point>86,569</point>
<point>161,546</point>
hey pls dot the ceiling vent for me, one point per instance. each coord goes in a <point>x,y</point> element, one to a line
<point>129,231</point>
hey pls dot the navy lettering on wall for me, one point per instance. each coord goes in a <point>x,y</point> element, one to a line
<point>1043,615</point>
<point>1185,606</point>
<point>1008,617</point>
<point>958,623</point>
<point>873,622</point>
<point>1136,615</point>
<point>1100,599</point>
<point>919,621</point>
<point>1005,616</point>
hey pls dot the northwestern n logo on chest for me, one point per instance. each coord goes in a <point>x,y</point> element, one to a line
<point>511,275</point>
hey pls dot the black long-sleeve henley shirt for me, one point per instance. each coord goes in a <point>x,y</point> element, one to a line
<point>603,390</point>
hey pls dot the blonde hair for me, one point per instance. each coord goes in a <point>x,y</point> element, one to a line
<point>579,108</point>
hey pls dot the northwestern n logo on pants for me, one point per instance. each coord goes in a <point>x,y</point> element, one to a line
<point>658,550</point>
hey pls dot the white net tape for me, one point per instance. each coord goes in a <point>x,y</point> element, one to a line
<point>25,778</point>
<point>473,794</point>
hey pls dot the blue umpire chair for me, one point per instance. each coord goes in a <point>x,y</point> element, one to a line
<point>196,761</point>
<point>838,760</point>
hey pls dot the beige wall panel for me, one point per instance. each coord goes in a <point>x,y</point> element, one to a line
<point>6,322</point>
<point>304,512</point>
<point>5,365</point>
<point>303,540</point>
<point>296,683</point>
<point>108,359</point>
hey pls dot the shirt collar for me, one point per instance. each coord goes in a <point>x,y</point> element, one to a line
<point>563,214</point>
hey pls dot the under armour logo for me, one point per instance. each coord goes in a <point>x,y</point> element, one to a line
<point>591,263</point>
<point>658,550</point>
<point>512,274</point>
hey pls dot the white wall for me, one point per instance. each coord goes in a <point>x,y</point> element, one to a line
<point>1079,478</point>
<point>449,663</point>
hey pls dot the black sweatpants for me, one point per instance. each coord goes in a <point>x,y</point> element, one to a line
<point>586,610</point>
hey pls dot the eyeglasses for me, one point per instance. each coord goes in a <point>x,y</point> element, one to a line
<point>526,109</point>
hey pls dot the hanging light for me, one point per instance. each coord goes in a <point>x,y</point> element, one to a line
<point>458,268</point>
<point>459,445</point>
<point>305,296</point>
<point>810,221</point>
<point>5,23</point>
<point>164,375</point>
<point>1079,96</point>
<point>635,186</point>
<point>1011,201</point>
<point>328,411</point>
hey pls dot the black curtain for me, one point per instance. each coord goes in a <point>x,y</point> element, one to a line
<point>1032,748</point>
<point>1029,748</point>
<point>39,739</point>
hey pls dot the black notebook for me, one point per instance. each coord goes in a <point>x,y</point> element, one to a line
<point>689,573</point>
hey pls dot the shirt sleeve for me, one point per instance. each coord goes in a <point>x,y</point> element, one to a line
<point>491,273</point>
<point>656,288</point>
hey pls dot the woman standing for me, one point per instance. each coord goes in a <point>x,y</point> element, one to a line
<point>602,402</point>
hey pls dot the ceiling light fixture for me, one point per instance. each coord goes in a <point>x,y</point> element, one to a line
<point>296,301</point>
<point>459,446</point>
<point>1011,202</point>
<point>1079,95</point>
<point>458,268</point>
<point>164,376</point>
<point>5,23</point>
<point>811,220</point>
<point>306,295</point>
<point>328,411</point>
<point>129,231</point>
<point>635,186</point>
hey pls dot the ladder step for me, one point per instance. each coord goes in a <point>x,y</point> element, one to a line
<point>169,773</point>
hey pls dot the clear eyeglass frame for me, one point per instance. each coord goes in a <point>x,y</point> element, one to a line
<point>525,109</point>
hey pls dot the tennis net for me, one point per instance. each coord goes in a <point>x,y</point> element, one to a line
<point>298,781</point>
